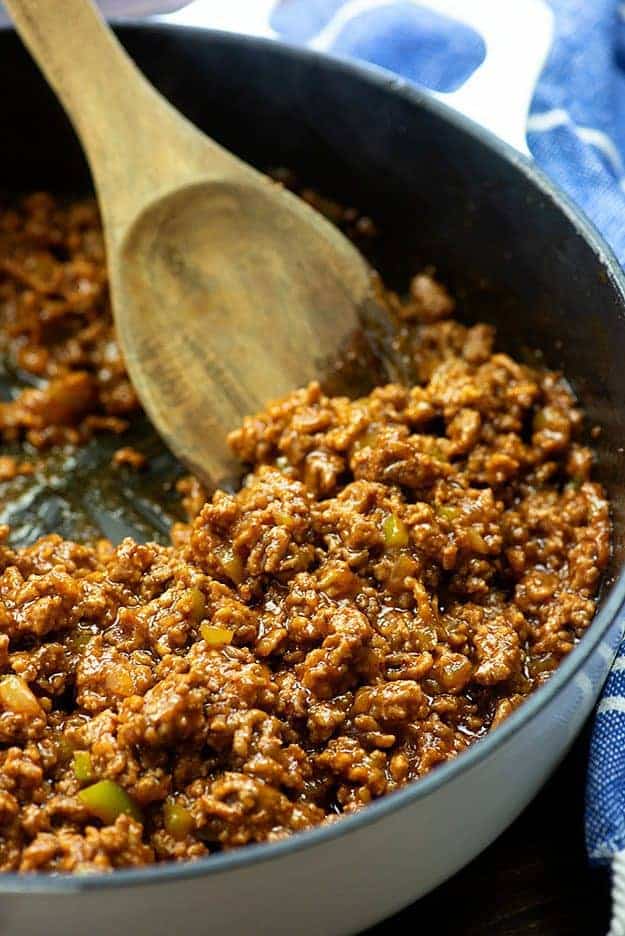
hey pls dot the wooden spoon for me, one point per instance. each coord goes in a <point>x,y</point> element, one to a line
<point>227,290</point>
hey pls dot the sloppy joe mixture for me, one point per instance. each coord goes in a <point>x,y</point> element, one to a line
<point>396,574</point>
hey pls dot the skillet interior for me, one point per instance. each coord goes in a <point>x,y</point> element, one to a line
<point>438,195</point>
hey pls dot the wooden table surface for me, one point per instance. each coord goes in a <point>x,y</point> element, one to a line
<point>533,881</point>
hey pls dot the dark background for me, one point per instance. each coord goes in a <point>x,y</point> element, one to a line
<point>533,881</point>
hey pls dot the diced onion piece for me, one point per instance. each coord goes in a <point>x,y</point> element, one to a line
<point>119,681</point>
<point>106,800</point>
<point>231,564</point>
<point>215,636</point>
<point>197,603</point>
<point>16,696</point>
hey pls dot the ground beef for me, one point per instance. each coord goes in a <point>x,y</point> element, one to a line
<point>396,575</point>
<point>56,325</point>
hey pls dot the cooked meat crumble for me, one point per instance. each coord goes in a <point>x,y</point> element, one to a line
<point>396,574</point>
<point>56,325</point>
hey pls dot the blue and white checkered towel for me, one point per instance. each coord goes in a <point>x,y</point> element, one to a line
<point>564,60</point>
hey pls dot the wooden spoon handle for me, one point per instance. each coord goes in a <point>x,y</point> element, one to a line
<point>137,145</point>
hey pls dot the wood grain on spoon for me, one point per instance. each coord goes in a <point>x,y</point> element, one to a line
<point>227,290</point>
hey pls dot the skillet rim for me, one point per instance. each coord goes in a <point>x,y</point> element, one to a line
<point>14,883</point>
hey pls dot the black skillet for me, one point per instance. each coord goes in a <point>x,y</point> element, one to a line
<point>442,193</point>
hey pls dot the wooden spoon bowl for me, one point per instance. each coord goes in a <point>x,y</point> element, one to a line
<point>227,290</point>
